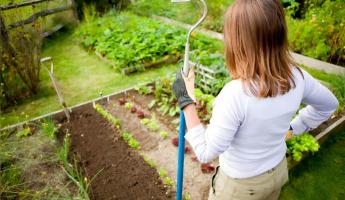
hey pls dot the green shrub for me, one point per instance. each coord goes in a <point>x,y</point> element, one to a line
<point>321,34</point>
<point>300,144</point>
<point>131,41</point>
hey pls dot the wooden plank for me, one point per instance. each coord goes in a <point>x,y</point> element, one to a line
<point>35,16</point>
<point>54,29</point>
<point>18,5</point>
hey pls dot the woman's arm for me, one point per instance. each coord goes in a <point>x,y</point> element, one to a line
<point>321,103</point>
<point>226,116</point>
<point>191,116</point>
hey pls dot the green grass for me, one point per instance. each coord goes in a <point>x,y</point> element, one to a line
<point>319,177</point>
<point>81,75</point>
<point>30,168</point>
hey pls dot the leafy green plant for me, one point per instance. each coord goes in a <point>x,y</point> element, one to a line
<point>152,123</point>
<point>186,196</point>
<point>128,105</point>
<point>165,100</point>
<point>149,161</point>
<point>300,144</point>
<point>204,105</point>
<point>116,122</point>
<point>320,34</point>
<point>144,89</point>
<point>132,142</point>
<point>164,134</point>
<point>164,176</point>
<point>24,132</point>
<point>73,171</point>
<point>48,127</point>
<point>134,42</point>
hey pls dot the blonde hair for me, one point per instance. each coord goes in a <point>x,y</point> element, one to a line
<point>256,47</point>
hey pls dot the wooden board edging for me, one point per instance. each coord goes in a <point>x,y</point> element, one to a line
<point>52,114</point>
<point>334,128</point>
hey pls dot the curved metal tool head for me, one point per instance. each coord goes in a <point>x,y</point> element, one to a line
<point>204,14</point>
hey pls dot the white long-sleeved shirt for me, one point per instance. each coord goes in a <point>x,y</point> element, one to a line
<point>248,133</point>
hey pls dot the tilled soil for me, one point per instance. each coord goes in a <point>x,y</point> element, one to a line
<point>160,150</point>
<point>119,172</point>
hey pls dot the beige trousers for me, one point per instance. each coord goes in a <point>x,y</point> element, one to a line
<point>266,186</point>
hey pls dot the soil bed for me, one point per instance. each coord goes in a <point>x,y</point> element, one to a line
<point>162,151</point>
<point>119,172</point>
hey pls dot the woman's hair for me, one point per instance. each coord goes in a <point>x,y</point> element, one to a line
<point>256,47</point>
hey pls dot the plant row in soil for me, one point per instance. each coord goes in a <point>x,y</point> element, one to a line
<point>116,170</point>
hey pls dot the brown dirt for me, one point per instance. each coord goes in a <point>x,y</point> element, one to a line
<point>145,100</point>
<point>160,150</point>
<point>123,174</point>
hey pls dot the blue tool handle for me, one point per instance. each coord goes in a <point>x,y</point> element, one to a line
<point>180,162</point>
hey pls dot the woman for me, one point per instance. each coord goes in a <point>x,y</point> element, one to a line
<point>253,112</point>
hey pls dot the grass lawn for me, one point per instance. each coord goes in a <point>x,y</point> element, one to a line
<point>81,75</point>
<point>322,176</point>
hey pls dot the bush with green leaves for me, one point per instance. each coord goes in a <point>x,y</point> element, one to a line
<point>321,33</point>
<point>131,41</point>
<point>301,144</point>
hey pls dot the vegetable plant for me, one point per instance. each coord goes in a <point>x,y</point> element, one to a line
<point>48,128</point>
<point>144,89</point>
<point>152,123</point>
<point>129,105</point>
<point>132,142</point>
<point>164,176</point>
<point>164,134</point>
<point>130,41</point>
<point>116,122</point>
<point>300,144</point>
<point>24,132</point>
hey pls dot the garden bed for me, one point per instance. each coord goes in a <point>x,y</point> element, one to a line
<point>116,170</point>
<point>98,145</point>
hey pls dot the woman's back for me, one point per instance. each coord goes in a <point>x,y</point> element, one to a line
<point>259,143</point>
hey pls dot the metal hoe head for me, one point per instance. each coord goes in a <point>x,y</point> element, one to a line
<point>186,55</point>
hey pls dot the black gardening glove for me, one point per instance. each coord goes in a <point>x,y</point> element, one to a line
<point>183,88</point>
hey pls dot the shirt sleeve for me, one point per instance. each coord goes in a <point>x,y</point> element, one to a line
<point>321,103</point>
<point>210,142</point>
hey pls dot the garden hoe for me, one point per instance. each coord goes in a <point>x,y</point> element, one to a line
<point>55,84</point>
<point>182,127</point>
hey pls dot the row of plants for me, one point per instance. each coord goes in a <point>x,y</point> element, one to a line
<point>134,43</point>
<point>316,27</point>
<point>132,142</point>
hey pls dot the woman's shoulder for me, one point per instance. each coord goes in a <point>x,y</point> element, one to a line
<point>231,89</point>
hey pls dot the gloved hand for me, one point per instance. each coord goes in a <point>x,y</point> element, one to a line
<point>183,88</point>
